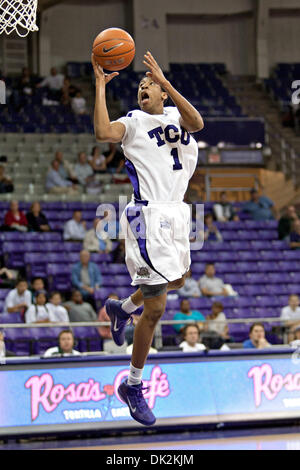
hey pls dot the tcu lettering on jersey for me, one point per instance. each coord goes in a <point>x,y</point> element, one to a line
<point>171,134</point>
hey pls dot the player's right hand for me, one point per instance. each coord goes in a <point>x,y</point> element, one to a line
<point>102,77</point>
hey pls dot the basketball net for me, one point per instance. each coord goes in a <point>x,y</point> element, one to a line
<point>19,16</point>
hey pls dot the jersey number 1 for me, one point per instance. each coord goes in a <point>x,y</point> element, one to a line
<point>177,165</point>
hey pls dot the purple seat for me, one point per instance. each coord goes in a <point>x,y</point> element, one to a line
<point>240,245</point>
<point>271,255</point>
<point>122,280</point>
<point>267,234</point>
<point>116,268</point>
<point>266,301</point>
<point>278,278</point>
<point>249,256</point>
<point>196,303</point>
<point>198,268</point>
<point>10,317</point>
<point>256,278</point>
<point>212,246</point>
<point>19,340</point>
<point>73,247</point>
<point>239,331</point>
<point>3,293</point>
<point>229,235</point>
<point>124,292</point>
<point>103,293</point>
<point>276,289</point>
<point>291,255</point>
<point>243,312</point>
<point>109,280</point>
<point>267,312</point>
<point>58,258</point>
<point>294,277</point>
<point>101,257</point>
<point>227,256</point>
<point>226,267</point>
<point>279,245</point>
<point>239,278</point>
<point>245,267</point>
<point>268,266</point>
<point>292,289</point>
<point>253,289</point>
<point>260,245</point>
<point>173,304</point>
<point>14,247</point>
<point>245,301</point>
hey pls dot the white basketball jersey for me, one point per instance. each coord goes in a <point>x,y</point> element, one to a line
<point>161,156</point>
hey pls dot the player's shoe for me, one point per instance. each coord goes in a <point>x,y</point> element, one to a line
<point>133,396</point>
<point>119,319</point>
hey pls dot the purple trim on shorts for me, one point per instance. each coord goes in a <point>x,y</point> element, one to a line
<point>141,235</point>
<point>133,176</point>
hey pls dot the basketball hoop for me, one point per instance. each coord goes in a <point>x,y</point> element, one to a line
<point>19,16</point>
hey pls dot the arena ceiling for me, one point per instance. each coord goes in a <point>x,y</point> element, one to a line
<point>44,4</point>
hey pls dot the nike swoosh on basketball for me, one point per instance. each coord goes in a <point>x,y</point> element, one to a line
<point>130,406</point>
<point>111,48</point>
<point>115,325</point>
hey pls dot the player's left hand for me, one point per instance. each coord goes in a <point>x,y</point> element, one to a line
<point>155,71</point>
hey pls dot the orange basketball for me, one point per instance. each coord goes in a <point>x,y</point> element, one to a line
<point>114,49</point>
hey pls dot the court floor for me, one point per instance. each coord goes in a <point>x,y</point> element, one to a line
<point>243,439</point>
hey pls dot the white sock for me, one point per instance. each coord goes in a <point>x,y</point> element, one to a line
<point>135,375</point>
<point>128,306</point>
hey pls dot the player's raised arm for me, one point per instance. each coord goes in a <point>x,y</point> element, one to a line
<point>105,131</point>
<point>191,119</point>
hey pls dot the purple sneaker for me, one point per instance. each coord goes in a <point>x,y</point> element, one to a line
<point>133,396</point>
<point>118,318</point>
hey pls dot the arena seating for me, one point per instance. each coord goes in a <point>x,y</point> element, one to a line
<point>279,84</point>
<point>263,270</point>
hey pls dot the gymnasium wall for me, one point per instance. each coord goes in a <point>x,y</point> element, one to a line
<point>284,38</point>
<point>68,31</point>
<point>231,40</point>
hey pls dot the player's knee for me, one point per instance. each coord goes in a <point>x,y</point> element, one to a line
<point>154,315</point>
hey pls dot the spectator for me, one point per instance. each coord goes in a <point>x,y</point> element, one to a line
<point>38,312</point>
<point>290,315</point>
<point>91,241</point>
<point>6,184</point>
<point>210,285</point>
<point>83,171</point>
<point>107,230</point>
<point>55,83</point>
<point>97,160</point>
<point>295,235</point>
<point>7,276</point>
<point>68,91</point>
<point>217,321</point>
<point>86,276</point>
<point>75,228</point>
<point>295,341</point>
<point>115,160</point>
<point>257,337</point>
<point>286,221</point>
<point>187,314</point>
<point>119,253</point>
<point>18,299</point>
<point>191,336</point>
<point>78,103</point>
<point>78,310</point>
<point>37,285</point>
<point>190,288</point>
<point>57,312</point>
<point>66,342</point>
<point>211,232</point>
<point>224,210</point>
<point>56,184</point>
<point>260,207</point>
<point>65,168</point>
<point>37,221</point>
<point>26,82</point>
<point>15,219</point>
<point>3,351</point>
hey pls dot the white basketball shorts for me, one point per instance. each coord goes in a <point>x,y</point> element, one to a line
<point>156,241</point>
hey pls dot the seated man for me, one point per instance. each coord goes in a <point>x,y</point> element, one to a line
<point>65,168</point>
<point>290,315</point>
<point>190,288</point>
<point>211,285</point>
<point>78,103</point>
<point>18,299</point>
<point>56,184</point>
<point>83,171</point>
<point>65,346</point>
<point>78,310</point>
<point>54,82</point>
<point>37,221</point>
<point>217,321</point>
<point>260,207</point>
<point>86,276</point>
<point>187,314</point>
<point>191,337</point>
<point>257,337</point>
<point>91,240</point>
<point>224,210</point>
<point>75,229</point>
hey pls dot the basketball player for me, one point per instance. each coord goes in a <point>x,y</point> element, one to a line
<point>160,159</point>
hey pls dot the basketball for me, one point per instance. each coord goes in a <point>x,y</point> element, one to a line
<point>114,49</point>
